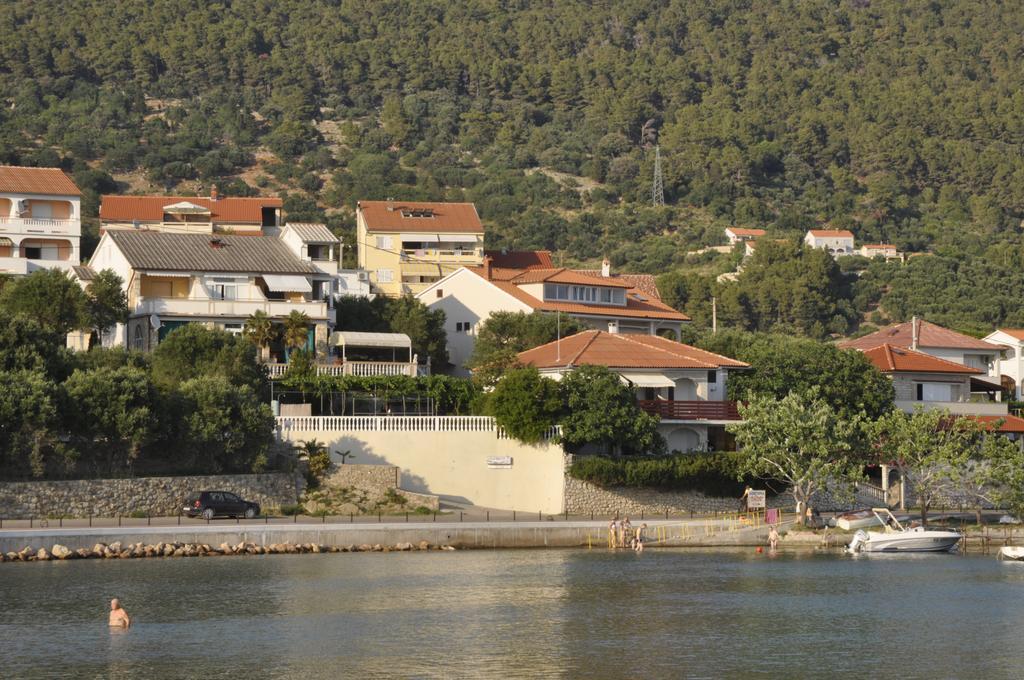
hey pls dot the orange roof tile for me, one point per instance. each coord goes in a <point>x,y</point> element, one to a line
<point>878,246</point>
<point>646,283</point>
<point>1017,333</point>
<point>456,218</point>
<point>841,233</point>
<point>1009,423</point>
<point>889,359</point>
<point>562,275</point>
<point>929,335</point>
<point>151,208</point>
<point>646,308</point>
<point>20,180</point>
<point>520,259</point>
<point>623,351</point>
<point>739,231</point>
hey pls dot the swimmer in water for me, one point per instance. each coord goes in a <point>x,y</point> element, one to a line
<point>118,616</point>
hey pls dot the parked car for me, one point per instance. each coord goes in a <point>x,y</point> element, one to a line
<point>210,504</point>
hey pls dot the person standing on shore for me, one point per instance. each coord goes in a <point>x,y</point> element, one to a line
<point>118,616</point>
<point>773,538</point>
<point>613,530</point>
<point>638,540</point>
<point>624,527</point>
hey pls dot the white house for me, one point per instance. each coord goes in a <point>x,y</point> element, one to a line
<point>886,250</point>
<point>172,279</point>
<point>469,295</point>
<point>739,234</point>
<point>836,241</point>
<point>40,220</point>
<point>683,385</point>
<point>1009,367</point>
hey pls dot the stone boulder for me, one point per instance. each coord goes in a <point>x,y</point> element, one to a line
<point>61,552</point>
<point>424,545</point>
<point>42,554</point>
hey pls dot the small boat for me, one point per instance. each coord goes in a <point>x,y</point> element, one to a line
<point>1011,552</point>
<point>858,519</point>
<point>897,538</point>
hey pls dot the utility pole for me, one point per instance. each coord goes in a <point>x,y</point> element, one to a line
<point>658,190</point>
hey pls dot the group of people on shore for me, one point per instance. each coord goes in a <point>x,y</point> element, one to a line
<point>621,534</point>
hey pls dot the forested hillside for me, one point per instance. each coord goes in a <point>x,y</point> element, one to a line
<point>902,121</point>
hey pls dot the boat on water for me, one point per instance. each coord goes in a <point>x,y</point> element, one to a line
<point>1011,552</point>
<point>897,538</point>
<point>858,519</point>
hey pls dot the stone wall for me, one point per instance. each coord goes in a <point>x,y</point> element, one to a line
<point>375,481</point>
<point>153,495</point>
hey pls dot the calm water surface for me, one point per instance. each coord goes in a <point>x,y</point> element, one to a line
<point>537,613</point>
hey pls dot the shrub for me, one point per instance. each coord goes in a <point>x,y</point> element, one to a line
<point>714,474</point>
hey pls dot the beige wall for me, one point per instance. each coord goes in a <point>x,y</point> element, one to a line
<point>454,465</point>
<point>164,286</point>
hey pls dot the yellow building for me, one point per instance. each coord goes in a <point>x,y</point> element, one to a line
<point>406,246</point>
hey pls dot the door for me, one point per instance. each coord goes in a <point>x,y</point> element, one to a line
<point>233,505</point>
<point>216,501</point>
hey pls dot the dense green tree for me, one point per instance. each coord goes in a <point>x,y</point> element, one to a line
<point>106,301</point>
<point>526,404</point>
<point>601,411</point>
<point>259,329</point>
<point>192,350</point>
<point>30,445</point>
<point>227,428</point>
<point>26,345</point>
<point>49,296</point>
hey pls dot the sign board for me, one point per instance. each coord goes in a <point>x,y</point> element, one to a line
<point>498,462</point>
<point>756,500</point>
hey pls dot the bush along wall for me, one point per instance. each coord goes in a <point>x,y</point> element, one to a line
<point>713,474</point>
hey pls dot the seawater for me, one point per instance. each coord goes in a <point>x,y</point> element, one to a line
<point>522,613</point>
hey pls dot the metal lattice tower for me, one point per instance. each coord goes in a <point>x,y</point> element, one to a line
<point>658,190</point>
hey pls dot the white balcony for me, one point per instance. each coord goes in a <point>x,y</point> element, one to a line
<point>40,226</point>
<point>959,408</point>
<point>236,308</point>
<point>21,266</point>
<point>357,368</point>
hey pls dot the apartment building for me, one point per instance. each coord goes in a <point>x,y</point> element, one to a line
<point>192,214</point>
<point>40,220</point>
<point>406,246</point>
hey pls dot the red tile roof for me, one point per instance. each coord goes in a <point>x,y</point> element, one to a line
<point>1017,333</point>
<point>889,359</point>
<point>841,233</point>
<point>929,335</point>
<point>646,283</point>
<point>739,231</point>
<point>623,351</point>
<point>1009,423</point>
<point>20,180</point>
<point>455,218</point>
<point>646,308</point>
<point>151,208</point>
<point>520,259</point>
<point>563,275</point>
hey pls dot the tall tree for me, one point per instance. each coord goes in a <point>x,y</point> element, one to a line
<point>504,334</point>
<point>107,303</point>
<point>526,404</point>
<point>260,330</point>
<point>296,330</point>
<point>602,411</point>
<point>49,296</point>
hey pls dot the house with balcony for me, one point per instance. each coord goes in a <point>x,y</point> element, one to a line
<point>838,242</point>
<point>40,220</point>
<point>406,246</point>
<point>213,214</point>
<point>682,385</point>
<point>218,280</point>
<point>1008,367</point>
<point>741,235</point>
<point>929,338</point>
<point>469,295</point>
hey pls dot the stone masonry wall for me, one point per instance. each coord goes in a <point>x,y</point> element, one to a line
<point>154,495</point>
<point>375,480</point>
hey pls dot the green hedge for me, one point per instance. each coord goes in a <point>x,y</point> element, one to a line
<point>714,474</point>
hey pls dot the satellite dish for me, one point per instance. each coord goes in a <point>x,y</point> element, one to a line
<point>154,321</point>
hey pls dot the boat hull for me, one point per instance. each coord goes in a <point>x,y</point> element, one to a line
<point>854,523</point>
<point>1009,552</point>
<point>925,541</point>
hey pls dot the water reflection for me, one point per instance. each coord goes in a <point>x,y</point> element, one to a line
<point>552,613</point>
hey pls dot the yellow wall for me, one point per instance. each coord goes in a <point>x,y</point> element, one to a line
<point>165,286</point>
<point>455,464</point>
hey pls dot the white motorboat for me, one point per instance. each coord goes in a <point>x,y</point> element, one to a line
<point>1011,552</point>
<point>897,538</point>
<point>858,519</point>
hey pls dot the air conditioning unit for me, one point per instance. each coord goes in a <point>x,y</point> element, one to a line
<point>21,206</point>
<point>363,276</point>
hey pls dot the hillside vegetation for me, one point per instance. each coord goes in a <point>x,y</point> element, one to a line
<point>900,120</point>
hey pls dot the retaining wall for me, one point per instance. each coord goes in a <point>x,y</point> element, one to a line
<point>152,495</point>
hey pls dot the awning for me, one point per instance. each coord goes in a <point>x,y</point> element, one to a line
<point>4,241</point>
<point>281,283</point>
<point>420,269</point>
<point>420,238</point>
<point>457,238</point>
<point>648,380</point>
<point>362,339</point>
<point>169,275</point>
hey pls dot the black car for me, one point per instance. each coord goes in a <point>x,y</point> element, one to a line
<point>210,504</point>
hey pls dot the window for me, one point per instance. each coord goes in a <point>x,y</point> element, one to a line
<point>319,252</point>
<point>712,377</point>
<point>463,326</point>
<point>233,328</point>
<point>223,291</point>
<point>424,212</point>
<point>556,291</point>
<point>32,252</point>
<point>384,242</point>
<point>584,294</point>
<point>385,276</point>
<point>440,293</point>
<point>137,339</point>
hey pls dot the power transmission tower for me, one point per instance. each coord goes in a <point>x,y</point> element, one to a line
<point>658,190</point>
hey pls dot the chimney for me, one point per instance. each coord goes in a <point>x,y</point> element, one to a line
<point>913,333</point>
<point>213,193</point>
<point>613,327</point>
<point>216,243</point>
<point>488,267</point>
<point>391,204</point>
<point>606,268</point>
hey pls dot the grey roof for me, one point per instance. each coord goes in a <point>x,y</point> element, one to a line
<point>208,253</point>
<point>312,232</point>
<point>83,272</point>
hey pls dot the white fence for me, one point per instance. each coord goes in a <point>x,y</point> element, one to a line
<point>396,424</point>
<point>357,368</point>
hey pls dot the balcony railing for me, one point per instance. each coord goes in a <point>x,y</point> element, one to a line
<point>691,410</point>
<point>959,408</point>
<point>398,424</point>
<point>238,308</point>
<point>40,225</point>
<point>22,265</point>
<point>357,368</point>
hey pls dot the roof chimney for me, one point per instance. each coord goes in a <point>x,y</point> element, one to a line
<point>913,333</point>
<point>613,327</point>
<point>606,268</point>
<point>391,204</point>
<point>488,267</point>
<point>213,193</point>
